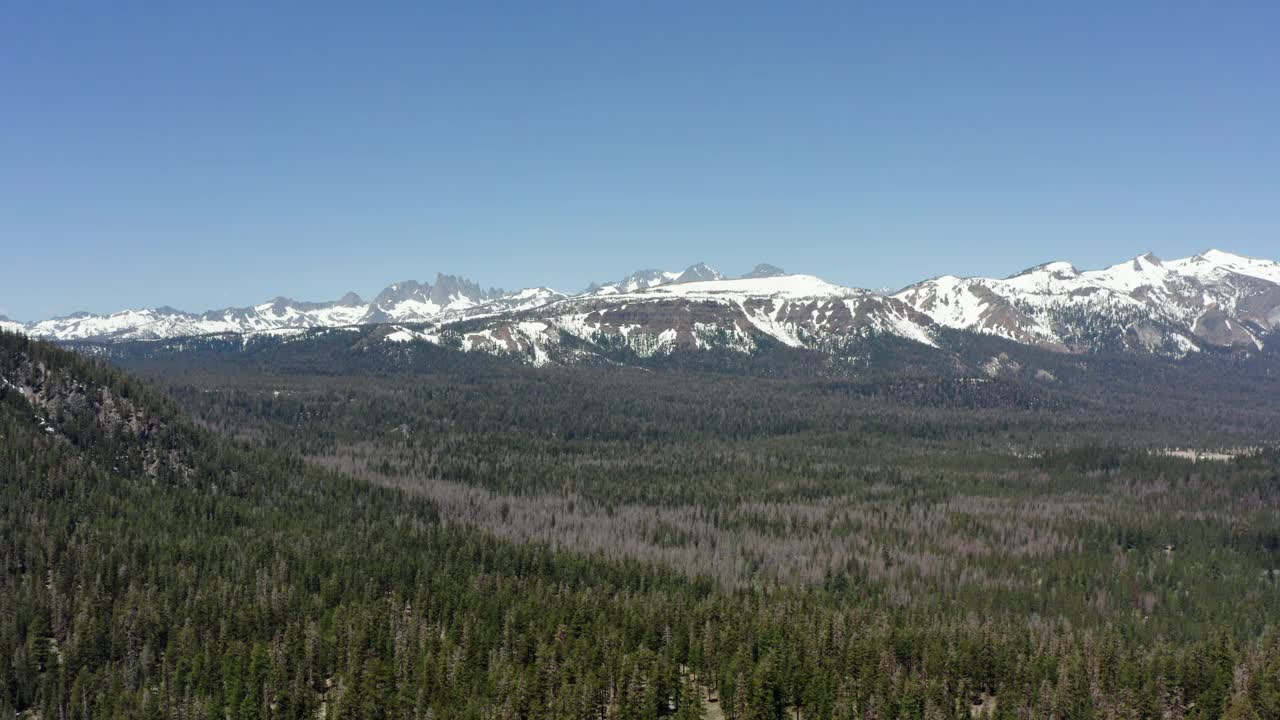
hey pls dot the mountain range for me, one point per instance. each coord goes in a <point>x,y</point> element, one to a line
<point>1212,300</point>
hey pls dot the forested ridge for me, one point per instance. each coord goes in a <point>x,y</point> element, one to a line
<point>310,535</point>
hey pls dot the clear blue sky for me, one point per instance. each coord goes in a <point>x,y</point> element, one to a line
<point>212,154</point>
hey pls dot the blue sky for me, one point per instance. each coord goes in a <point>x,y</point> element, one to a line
<point>211,154</point>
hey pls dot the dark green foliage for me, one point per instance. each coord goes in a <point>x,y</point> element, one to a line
<point>149,567</point>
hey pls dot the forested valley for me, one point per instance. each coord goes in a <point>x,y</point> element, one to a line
<point>324,528</point>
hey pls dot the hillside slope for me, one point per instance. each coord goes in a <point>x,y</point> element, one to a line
<point>150,568</point>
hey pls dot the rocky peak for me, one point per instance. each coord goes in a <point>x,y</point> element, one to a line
<point>401,291</point>
<point>450,288</point>
<point>645,278</point>
<point>1146,258</point>
<point>699,272</point>
<point>1057,268</point>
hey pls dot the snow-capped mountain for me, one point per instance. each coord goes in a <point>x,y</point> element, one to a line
<point>408,302</point>
<point>638,280</point>
<point>699,272</point>
<point>651,278</point>
<point>1174,307</point>
<point>411,301</point>
<point>795,310</point>
<point>1214,299</point>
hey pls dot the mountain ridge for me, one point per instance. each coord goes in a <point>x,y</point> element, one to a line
<point>1213,299</point>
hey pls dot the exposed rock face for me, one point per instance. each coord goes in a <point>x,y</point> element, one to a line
<point>698,272</point>
<point>66,405</point>
<point>765,270</point>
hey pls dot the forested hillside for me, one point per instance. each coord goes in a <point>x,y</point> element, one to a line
<point>329,530</point>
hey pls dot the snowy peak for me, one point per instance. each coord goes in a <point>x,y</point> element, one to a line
<point>412,301</point>
<point>1057,269</point>
<point>451,290</point>
<point>1142,271</point>
<point>638,280</point>
<point>400,292</point>
<point>1173,307</point>
<point>739,315</point>
<point>1145,304</point>
<point>650,277</point>
<point>699,272</point>
<point>1222,257</point>
<point>1216,264</point>
<point>406,301</point>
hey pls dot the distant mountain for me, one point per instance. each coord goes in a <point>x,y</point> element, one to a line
<point>699,272</point>
<point>1211,300</point>
<point>410,301</point>
<point>799,311</point>
<point>638,280</point>
<point>11,325</point>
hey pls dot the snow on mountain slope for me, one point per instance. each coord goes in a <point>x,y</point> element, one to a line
<point>126,324</point>
<point>163,323</point>
<point>646,279</point>
<point>11,325</point>
<point>405,302</point>
<point>1216,265</point>
<point>518,301</point>
<point>785,286</point>
<point>1214,299</point>
<point>412,301</point>
<point>638,280</point>
<point>971,304</point>
<point>699,272</point>
<point>737,315</point>
<point>1173,307</point>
